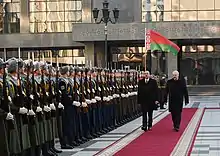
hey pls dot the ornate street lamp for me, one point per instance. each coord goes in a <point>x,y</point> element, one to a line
<point>106,19</point>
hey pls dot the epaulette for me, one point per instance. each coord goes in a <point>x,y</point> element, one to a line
<point>65,80</point>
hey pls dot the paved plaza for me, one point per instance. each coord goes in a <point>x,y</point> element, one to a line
<point>207,141</point>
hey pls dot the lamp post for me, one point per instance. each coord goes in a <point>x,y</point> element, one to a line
<point>105,19</point>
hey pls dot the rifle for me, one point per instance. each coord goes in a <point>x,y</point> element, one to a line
<point>76,94</point>
<point>86,85</point>
<point>20,92</point>
<point>51,93</point>
<point>35,94</point>
<point>98,91</point>
<point>44,95</point>
<point>58,92</point>
<point>6,98</point>
<point>92,94</point>
<point>82,97</point>
<point>28,93</point>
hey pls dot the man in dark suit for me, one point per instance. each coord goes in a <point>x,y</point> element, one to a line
<point>148,99</point>
<point>177,90</point>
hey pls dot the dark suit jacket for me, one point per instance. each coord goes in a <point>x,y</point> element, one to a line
<point>176,90</point>
<point>147,94</point>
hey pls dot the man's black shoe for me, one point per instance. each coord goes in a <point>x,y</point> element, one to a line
<point>144,128</point>
<point>50,153</point>
<point>56,150</point>
<point>150,128</point>
<point>66,147</point>
<point>176,129</point>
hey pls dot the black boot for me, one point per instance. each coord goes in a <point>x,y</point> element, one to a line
<point>56,150</point>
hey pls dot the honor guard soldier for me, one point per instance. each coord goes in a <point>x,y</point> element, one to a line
<point>162,89</point>
<point>97,89</point>
<point>7,119</point>
<point>72,107</point>
<point>33,122</point>
<point>94,113</point>
<point>116,96</point>
<point>66,100</point>
<point>79,139</point>
<point>50,89</point>
<point>19,106</point>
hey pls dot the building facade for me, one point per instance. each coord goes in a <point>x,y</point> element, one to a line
<point>68,26</point>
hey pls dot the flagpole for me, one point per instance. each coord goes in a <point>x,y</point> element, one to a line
<point>145,61</point>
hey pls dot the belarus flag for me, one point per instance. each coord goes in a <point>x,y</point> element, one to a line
<point>155,41</point>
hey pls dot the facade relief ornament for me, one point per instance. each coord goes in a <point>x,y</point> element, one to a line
<point>135,31</point>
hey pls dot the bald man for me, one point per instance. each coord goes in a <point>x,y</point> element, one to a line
<point>176,90</point>
<point>148,99</point>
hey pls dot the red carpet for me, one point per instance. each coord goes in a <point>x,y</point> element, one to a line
<point>161,140</point>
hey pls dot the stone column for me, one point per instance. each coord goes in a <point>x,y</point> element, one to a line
<point>89,54</point>
<point>24,16</point>
<point>171,64</point>
<point>99,54</point>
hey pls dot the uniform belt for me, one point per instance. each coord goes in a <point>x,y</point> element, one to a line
<point>162,87</point>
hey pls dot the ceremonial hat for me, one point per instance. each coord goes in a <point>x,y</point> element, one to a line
<point>64,70</point>
<point>1,63</point>
<point>12,65</point>
<point>71,69</point>
<point>21,63</point>
<point>76,69</point>
<point>36,65</point>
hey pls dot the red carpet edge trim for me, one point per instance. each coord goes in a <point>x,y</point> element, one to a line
<point>162,112</point>
<point>195,133</point>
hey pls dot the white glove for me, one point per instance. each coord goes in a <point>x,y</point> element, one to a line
<point>31,112</point>
<point>76,103</point>
<point>93,100</point>
<point>107,99</point>
<point>23,110</point>
<point>9,117</point>
<point>98,98</point>
<point>84,104</point>
<point>104,98</point>
<point>39,109</point>
<point>123,95</point>
<point>52,106</point>
<point>32,97</point>
<point>88,101</point>
<point>47,109</point>
<point>60,105</point>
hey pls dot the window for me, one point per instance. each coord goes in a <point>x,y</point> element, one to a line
<point>38,17</point>
<point>217,4</point>
<point>54,16</point>
<point>167,16</point>
<point>206,5</point>
<point>73,16</point>
<point>55,6</point>
<point>188,4</point>
<point>73,5</point>
<point>217,15</point>
<point>167,5</point>
<point>175,5</point>
<point>68,26</point>
<point>188,16</point>
<point>10,17</point>
<point>175,16</point>
<point>37,6</point>
<point>205,15</point>
<point>38,27</point>
<point>55,26</point>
